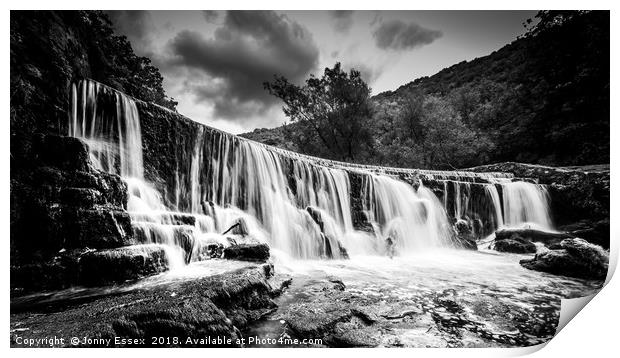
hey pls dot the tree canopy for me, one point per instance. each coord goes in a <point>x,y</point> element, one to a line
<point>332,112</point>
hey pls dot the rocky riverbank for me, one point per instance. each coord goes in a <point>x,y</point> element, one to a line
<point>220,305</point>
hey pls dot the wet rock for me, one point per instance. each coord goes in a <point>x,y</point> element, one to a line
<point>354,332</point>
<point>279,283</point>
<point>66,153</point>
<point>98,228</point>
<point>596,232</point>
<point>343,251</point>
<point>181,236</point>
<point>465,235</point>
<point>167,218</point>
<point>315,214</point>
<point>531,235</point>
<point>73,205</point>
<point>575,258</point>
<point>340,318</point>
<point>329,246</point>
<point>82,197</point>
<point>111,187</point>
<point>206,251</point>
<point>515,244</point>
<point>106,267</point>
<point>309,319</point>
<point>247,252</point>
<point>58,273</point>
<point>219,305</point>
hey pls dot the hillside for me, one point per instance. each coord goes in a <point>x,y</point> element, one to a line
<point>544,98</point>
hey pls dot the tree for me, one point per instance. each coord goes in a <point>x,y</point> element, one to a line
<point>333,112</point>
<point>450,143</point>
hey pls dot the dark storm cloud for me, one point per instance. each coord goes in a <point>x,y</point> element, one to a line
<point>397,35</point>
<point>137,25</point>
<point>342,20</point>
<point>210,15</point>
<point>250,47</point>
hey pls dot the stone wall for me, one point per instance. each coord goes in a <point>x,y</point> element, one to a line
<point>168,144</point>
<point>61,207</point>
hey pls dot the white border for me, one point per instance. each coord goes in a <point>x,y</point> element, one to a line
<point>593,331</point>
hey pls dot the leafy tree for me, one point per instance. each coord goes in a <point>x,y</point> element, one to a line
<point>449,143</point>
<point>334,111</point>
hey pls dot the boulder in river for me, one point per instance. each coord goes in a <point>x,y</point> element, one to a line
<point>575,258</point>
<point>464,235</point>
<point>515,244</point>
<point>531,235</point>
<point>247,252</point>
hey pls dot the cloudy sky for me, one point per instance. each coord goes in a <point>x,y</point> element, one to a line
<point>214,62</point>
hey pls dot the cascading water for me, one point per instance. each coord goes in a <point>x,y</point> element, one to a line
<point>108,121</point>
<point>526,203</point>
<point>493,202</point>
<point>300,205</point>
<point>412,219</point>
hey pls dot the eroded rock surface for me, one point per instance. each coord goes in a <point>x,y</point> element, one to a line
<point>220,305</point>
<point>340,316</point>
<point>98,268</point>
<point>574,258</point>
<point>464,235</point>
<point>60,207</point>
<point>247,252</point>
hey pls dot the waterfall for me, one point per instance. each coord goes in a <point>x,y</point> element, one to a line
<point>111,134</point>
<point>492,202</point>
<point>108,121</point>
<point>526,203</point>
<point>412,219</point>
<point>491,191</point>
<point>301,206</point>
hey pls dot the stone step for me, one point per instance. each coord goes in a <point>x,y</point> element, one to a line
<point>105,267</point>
